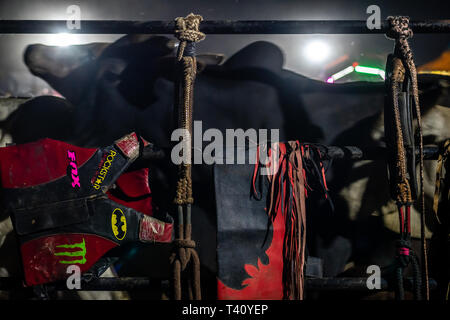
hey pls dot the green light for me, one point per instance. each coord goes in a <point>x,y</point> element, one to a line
<point>368,70</point>
<point>356,68</point>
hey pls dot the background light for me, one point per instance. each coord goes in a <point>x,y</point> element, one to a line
<point>317,51</point>
<point>62,39</point>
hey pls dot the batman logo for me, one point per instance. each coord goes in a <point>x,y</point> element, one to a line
<point>119,224</point>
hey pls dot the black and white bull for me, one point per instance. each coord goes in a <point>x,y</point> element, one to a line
<point>128,86</point>
<point>112,90</point>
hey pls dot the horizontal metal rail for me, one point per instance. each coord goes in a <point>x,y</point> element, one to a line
<point>98,284</point>
<point>376,153</point>
<point>430,152</point>
<point>215,27</point>
<point>355,284</point>
<point>145,284</point>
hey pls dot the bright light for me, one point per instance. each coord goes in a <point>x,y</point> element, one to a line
<point>62,39</point>
<point>317,51</point>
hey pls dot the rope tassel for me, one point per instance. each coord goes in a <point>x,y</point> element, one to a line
<point>291,204</point>
<point>185,258</point>
<point>286,197</point>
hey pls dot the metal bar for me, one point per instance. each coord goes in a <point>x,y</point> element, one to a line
<point>377,153</point>
<point>329,152</point>
<point>355,284</point>
<point>215,27</point>
<point>350,284</point>
<point>98,284</point>
<point>141,284</point>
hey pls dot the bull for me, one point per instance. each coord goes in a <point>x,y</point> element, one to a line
<point>128,86</point>
<point>113,89</point>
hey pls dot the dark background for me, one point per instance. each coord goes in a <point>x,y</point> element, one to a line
<point>15,79</point>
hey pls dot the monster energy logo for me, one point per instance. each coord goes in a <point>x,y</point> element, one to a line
<point>81,253</point>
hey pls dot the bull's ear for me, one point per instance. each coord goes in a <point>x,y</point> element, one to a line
<point>210,58</point>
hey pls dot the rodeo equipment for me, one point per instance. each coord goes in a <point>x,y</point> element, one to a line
<point>81,236</point>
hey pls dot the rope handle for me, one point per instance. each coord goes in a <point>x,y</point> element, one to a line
<point>185,256</point>
<point>400,31</point>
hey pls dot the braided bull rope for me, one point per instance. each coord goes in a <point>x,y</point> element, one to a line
<point>187,32</point>
<point>400,31</point>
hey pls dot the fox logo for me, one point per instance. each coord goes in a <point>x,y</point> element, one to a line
<point>73,169</point>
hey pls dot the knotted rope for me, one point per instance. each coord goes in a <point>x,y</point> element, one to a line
<point>406,255</point>
<point>403,188</point>
<point>403,65</point>
<point>184,257</point>
<point>187,31</point>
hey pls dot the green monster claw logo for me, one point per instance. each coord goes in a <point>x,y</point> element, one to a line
<point>82,253</point>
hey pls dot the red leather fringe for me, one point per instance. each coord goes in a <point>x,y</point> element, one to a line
<point>287,197</point>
